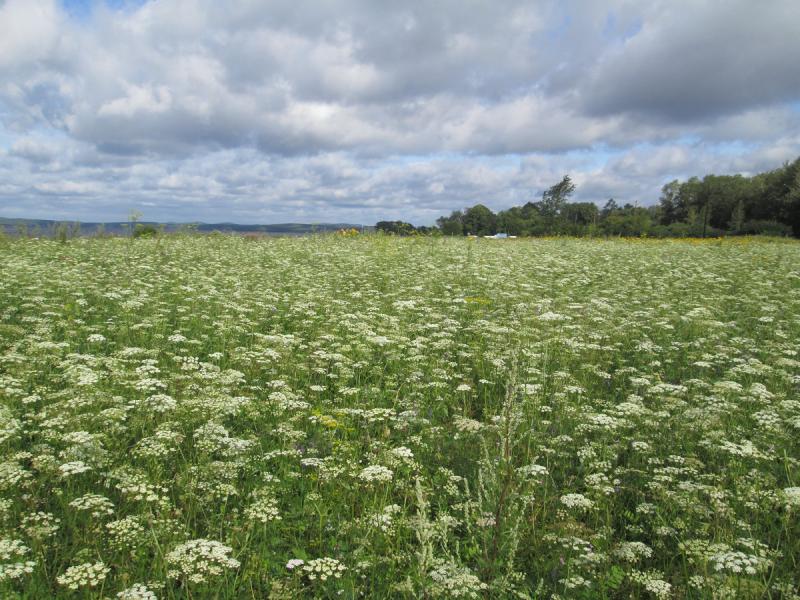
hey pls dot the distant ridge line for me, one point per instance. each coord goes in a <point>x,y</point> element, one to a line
<point>13,225</point>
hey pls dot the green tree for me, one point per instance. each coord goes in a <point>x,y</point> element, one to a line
<point>395,227</point>
<point>480,220</point>
<point>580,213</point>
<point>737,217</point>
<point>145,231</point>
<point>554,198</point>
<point>452,225</point>
<point>512,221</point>
<point>609,208</point>
<point>669,210</point>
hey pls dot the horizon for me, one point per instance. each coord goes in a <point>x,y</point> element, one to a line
<point>239,113</point>
<point>145,221</point>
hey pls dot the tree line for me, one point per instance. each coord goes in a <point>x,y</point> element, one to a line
<point>767,203</point>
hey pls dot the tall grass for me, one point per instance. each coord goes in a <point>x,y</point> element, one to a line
<point>373,417</point>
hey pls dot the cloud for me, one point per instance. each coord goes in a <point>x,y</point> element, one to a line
<point>36,149</point>
<point>28,33</point>
<point>701,59</point>
<point>367,110</point>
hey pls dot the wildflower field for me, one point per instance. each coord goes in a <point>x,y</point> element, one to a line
<point>372,417</point>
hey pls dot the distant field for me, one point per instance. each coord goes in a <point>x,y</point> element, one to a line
<point>53,229</point>
<point>373,417</point>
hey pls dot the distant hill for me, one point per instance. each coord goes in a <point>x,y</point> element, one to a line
<point>47,227</point>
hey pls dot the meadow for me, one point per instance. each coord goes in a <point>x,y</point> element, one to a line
<point>375,417</point>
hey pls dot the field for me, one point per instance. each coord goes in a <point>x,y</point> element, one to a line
<point>371,417</point>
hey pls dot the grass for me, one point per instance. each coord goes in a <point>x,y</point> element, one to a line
<point>344,417</point>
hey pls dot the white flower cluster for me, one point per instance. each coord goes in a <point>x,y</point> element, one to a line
<point>600,482</point>
<point>633,551</point>
<point>149,384</point>
<point>744,450</point>
<point>601,421</point>
<point>159,445</point>
<point>264,510</point>
<point>75,467</point>
<point>577,501</point>
<point>213,437</point>
<point>138,591</point>
<point>375,473</point>
<point>126,533</point>
<point>9,425</point>
<point>40,525</point>
<point>466,425</point>
<point>200,560</point>
<point>12,474</point>
<point>403,453</point>
<point>575,582</point>
<point>739,562</point>
<point>157,403</point>
<point>384,520</point>
<point>530,389</point>
<point>148,367</point>
<point>84,575</point>
<point>95,504</point>
<point>791,496</point>
<point>553,316</point>
<point>455,581</point>
<point>11,567</point>
<point>653,582</point>
<point>323,569</point>
<point>143,492</point>
<point>533,471</point>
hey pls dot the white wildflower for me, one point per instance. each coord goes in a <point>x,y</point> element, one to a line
<point>200,560</point>
<point>84,575</point>
<point>375,473</point>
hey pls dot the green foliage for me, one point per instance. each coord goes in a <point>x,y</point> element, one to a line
<point>63,231</point>
<point>554,198</point>
<point>395,228</point>
<point>768,203</point>
<point>392,417</point>
<point>145,231</point>
<point>728,202</point>
<point>452,225</point>
<point>760,227</point>
<point>479,220</point>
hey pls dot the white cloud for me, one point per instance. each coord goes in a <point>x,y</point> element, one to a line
<point>29,32</point>
<point>137,100</point>
<point>369,110</point>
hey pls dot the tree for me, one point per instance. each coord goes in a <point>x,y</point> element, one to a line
<point>737,218</point>
<point>609,208</point>
<point>452,225</point>
<point>479,220</point>
<point>145,231</point>
<point>628,221</point>
<point>579,213</point>
<point>792,198</point>
<point>512,221</point>
<point>765,203</point>
<point>690,201</point>
<point>554,198</point>
<point>396,227</point>
<point>668,203</point>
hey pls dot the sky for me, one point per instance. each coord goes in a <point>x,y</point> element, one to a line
<point>363,110</point>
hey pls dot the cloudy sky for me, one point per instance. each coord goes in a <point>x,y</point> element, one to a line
<point>359,110</point>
